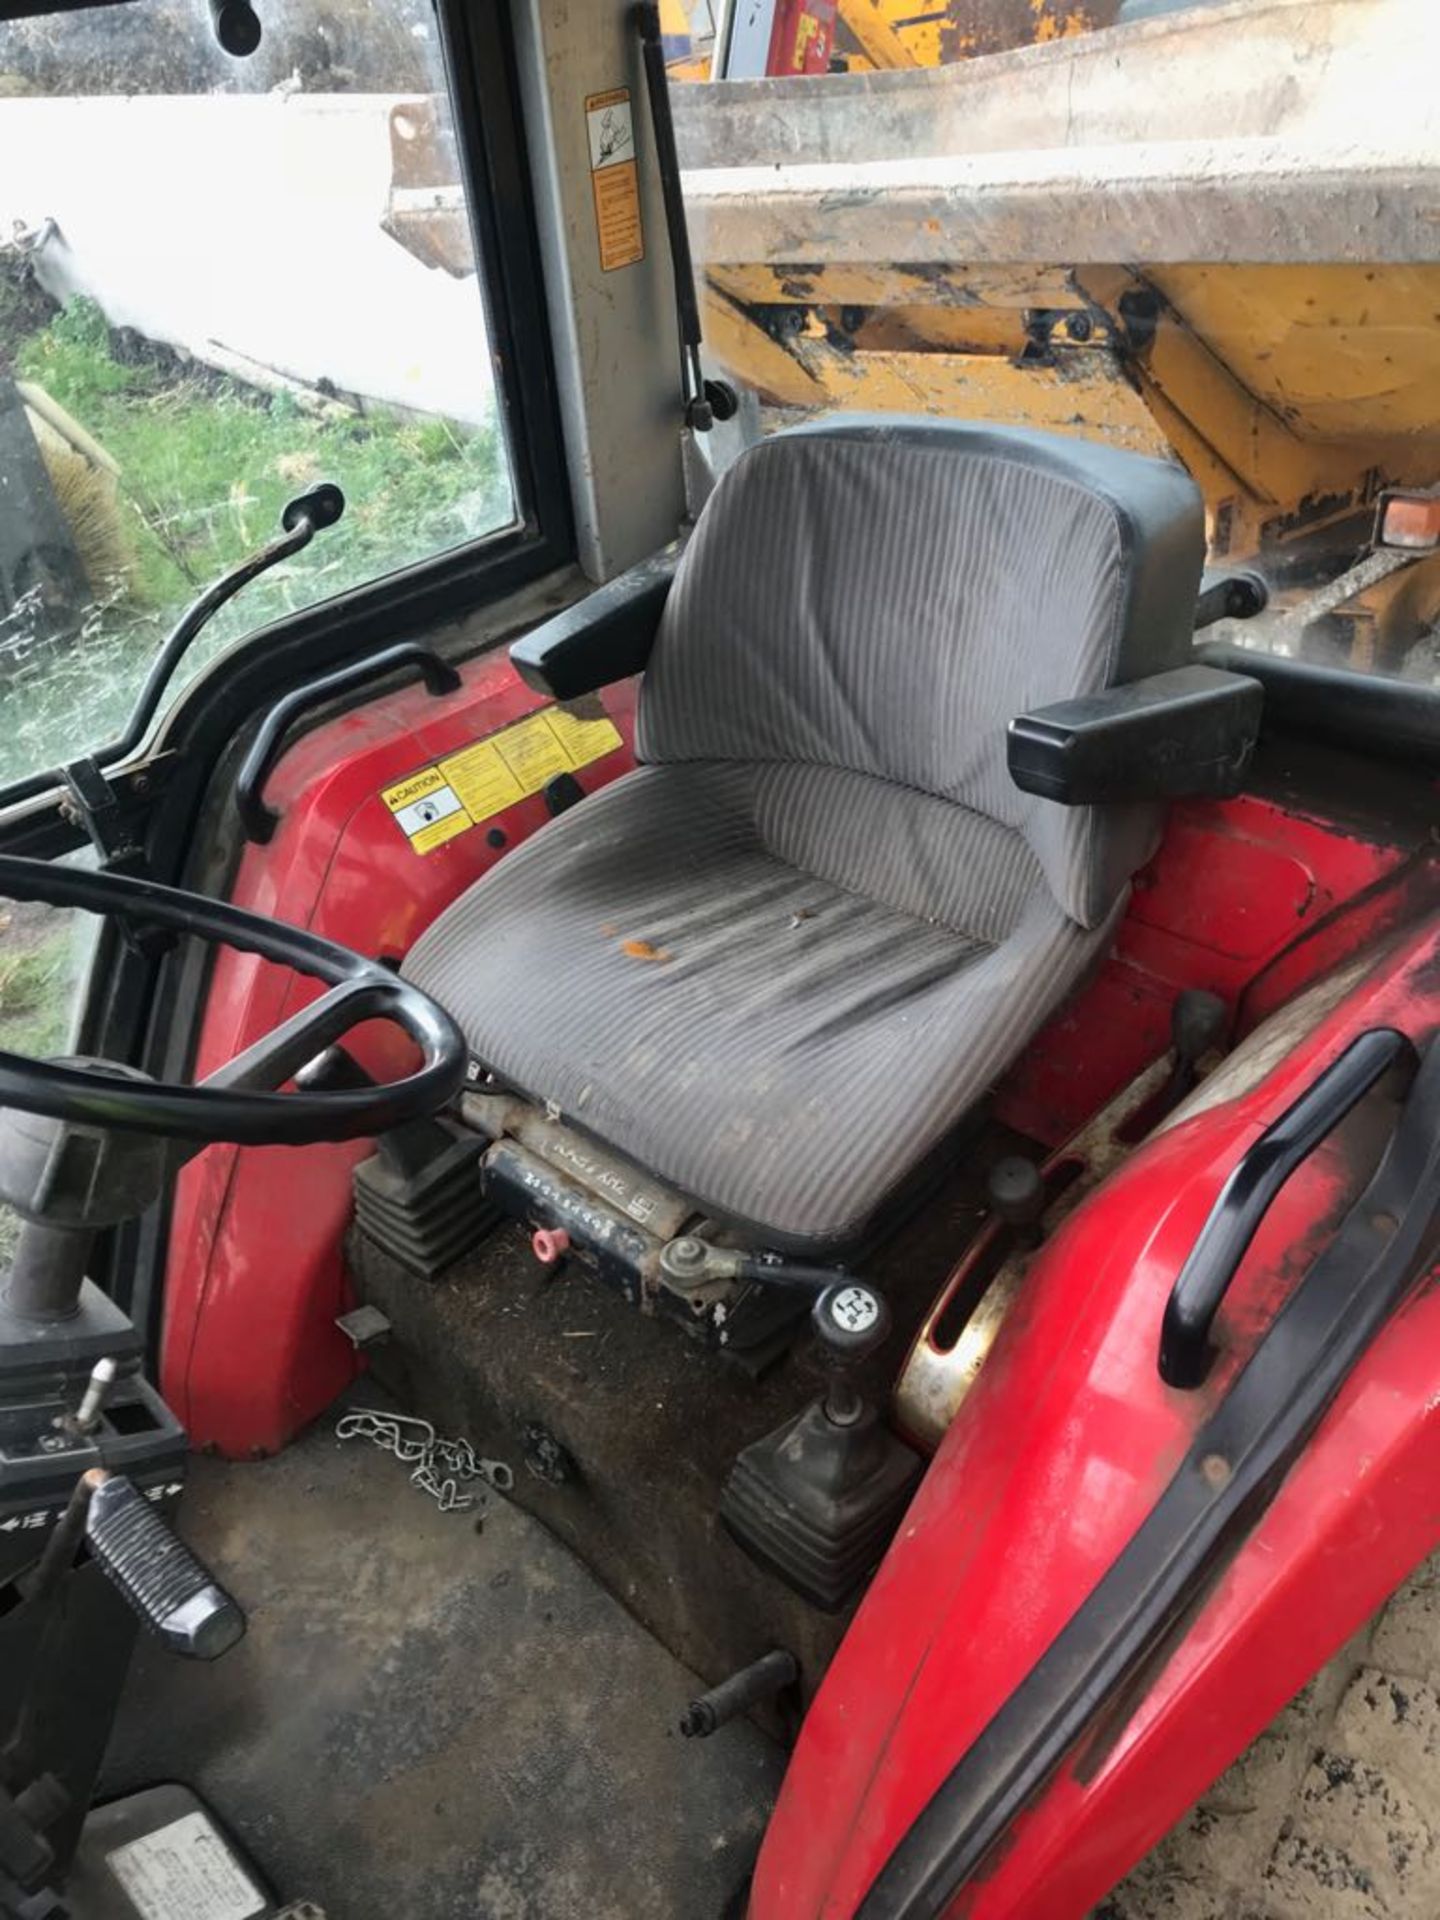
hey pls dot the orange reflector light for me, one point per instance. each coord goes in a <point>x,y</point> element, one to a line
<point>1410,520</point>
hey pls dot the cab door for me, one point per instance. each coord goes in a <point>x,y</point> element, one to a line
<point>229,280</point>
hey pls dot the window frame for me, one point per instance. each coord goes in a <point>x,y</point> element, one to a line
<point>479,65</point>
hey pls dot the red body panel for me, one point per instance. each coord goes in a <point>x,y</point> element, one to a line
<point>1054,1460</point>
<point>1244,898</point>
<point>250,1351</point>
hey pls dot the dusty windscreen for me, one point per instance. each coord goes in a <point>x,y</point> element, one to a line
<point>221,280</point>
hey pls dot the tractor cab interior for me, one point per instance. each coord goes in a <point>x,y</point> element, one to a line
<point>766,1103</point>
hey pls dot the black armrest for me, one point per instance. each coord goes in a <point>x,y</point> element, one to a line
<point>1190,731</point>
<point>605,637</point>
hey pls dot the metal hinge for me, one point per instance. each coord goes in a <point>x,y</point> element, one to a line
<point>112,813</point>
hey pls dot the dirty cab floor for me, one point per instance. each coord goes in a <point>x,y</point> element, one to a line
<point>430,1720</point>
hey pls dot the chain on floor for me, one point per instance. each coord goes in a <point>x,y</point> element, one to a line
<point>438,1466</point>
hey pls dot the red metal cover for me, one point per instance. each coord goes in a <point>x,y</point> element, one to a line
<point>1058,1454</point>
<point>802,38</point>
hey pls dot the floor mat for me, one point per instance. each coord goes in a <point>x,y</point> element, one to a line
<point>436,1720</point>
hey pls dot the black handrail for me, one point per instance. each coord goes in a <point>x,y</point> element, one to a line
<point>1370,713</point>
<point>1230,596</point>
<point>1202,1282</point>
<point>260,821</point>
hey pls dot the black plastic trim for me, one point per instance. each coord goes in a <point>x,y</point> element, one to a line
<point>603,638</point>
<point>1230,596</point>
<point>1220,1246</point>
<point>256,819</point>
<point>1228,1477</point>
<point>1366,712</point>
<point>1190,731</point>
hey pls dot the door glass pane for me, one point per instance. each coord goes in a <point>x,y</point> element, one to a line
<point>221,280</point>
<point>44,955</point>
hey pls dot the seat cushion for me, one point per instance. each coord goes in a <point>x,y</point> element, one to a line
<point>826,970</point>
<point>886,594</point>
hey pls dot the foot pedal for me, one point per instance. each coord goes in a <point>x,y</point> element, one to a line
<point>175,1596</point>
<point>424,1208</point>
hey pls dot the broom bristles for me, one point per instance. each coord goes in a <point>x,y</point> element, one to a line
<point>88,496</point>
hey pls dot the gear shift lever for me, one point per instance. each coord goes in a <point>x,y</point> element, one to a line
<point>818,1499</point>
<point>851,1320</point>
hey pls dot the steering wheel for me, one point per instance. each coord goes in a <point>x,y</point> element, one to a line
<point>239,1102</point>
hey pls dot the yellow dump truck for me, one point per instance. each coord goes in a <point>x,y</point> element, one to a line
<point>1172,232</point>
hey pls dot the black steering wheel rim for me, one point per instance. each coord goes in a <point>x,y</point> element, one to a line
<point>361,990</point>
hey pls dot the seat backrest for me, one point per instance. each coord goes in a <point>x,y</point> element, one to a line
<point>885,594</point>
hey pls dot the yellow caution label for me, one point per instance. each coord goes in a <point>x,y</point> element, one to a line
<point>615,178</point>
<point>469,787</point>
<point>427,809</point>
<point>584,740</point>
<point>483,781</point>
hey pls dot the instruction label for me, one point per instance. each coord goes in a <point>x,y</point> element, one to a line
<point>615,178</point>
<point>467,788</point>
<point>185,1872</point>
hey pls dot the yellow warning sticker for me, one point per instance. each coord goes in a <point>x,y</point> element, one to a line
<point>428,809</point>
<point>614,178</point>
<point>584,740</point>
<point>533,754</point>
<point>467,788</point>
<point>483,781</point>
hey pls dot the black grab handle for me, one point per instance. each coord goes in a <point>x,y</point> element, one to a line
<point>1202,1282</point>
<point>260,821</point>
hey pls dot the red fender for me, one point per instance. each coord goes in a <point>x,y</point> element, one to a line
<point>1056,1457</point>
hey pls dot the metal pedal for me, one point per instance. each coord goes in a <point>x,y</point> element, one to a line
<point>173,1593</point>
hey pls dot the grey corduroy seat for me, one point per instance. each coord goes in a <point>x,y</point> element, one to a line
<point>862,920</point>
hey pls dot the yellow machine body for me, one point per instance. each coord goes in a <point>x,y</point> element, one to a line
<point>1297,390</point>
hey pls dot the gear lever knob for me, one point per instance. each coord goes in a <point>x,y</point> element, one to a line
<point>851,1320</point>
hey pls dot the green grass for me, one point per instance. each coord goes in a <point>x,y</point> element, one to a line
<point>35,991</point>
<point>38,960</point>
<point>206,466</point>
